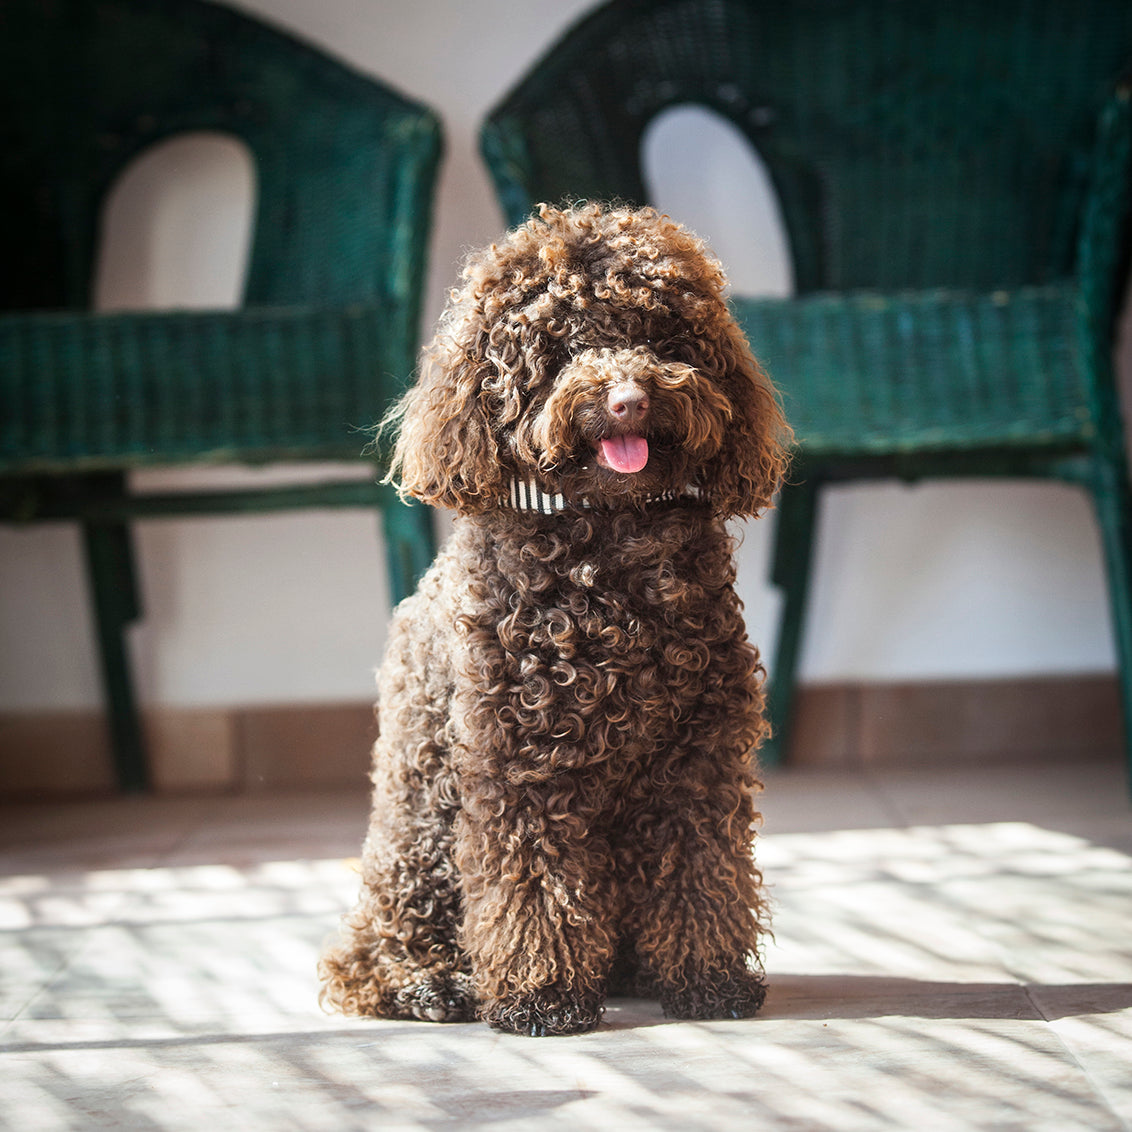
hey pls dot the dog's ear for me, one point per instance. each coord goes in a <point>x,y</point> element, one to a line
<point>741,479</point>
<point>446,452</point>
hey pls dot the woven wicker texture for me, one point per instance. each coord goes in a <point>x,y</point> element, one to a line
<point>344,171</point>
<point>912,146</point>
<point>876,373</point>
<point>287,383</point>
<point>328,333</point>
<point>955,181</point>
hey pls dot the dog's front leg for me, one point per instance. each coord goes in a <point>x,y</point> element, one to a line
<point>698,907</point>
<point>536,907</point>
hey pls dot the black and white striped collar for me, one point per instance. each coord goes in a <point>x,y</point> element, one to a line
<point>529,495</point>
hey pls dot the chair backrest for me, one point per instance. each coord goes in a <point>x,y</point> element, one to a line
<point>344,166</point>
<point>912,143</point>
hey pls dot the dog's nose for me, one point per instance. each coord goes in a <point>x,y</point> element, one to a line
<point>628,402</point>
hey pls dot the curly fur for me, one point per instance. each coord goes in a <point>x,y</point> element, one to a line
<point>570,708</point>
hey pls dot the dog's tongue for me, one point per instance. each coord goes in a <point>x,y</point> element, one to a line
<point>625,453</point>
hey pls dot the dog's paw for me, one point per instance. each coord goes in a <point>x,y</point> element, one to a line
<point>726,995</point>
<point>447,998</point>
<point>545,1013</point>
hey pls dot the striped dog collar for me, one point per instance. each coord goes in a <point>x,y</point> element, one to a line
<point>528,495</point>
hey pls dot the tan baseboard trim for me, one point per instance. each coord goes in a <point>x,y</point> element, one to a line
<point>216,750</point>
<point>261,749</point>
<point>939,722</point>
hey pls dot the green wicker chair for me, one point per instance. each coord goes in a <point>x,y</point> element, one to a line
<point>955,184</point>
<point>327,337</point>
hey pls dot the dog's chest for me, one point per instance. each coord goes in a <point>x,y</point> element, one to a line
<point>604,609</point>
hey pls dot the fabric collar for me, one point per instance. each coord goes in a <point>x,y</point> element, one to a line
<point>529,495</point>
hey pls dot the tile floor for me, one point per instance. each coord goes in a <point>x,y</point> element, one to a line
<point>953,951</point>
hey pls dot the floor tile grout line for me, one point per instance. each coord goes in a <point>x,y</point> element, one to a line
<point>45,985</point>
<point>887,803</point>
<point>1097,1088</point>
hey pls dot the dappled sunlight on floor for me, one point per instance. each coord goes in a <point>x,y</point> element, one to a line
<point>951,975</point>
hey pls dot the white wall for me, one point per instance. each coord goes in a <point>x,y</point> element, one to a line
<point>936,581</point>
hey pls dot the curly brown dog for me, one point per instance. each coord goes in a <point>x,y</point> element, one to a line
<point>569,705</point>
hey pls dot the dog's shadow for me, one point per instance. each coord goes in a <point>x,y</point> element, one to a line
<point>845,997</point>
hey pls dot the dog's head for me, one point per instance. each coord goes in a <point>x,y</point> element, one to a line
<point>591,351</point>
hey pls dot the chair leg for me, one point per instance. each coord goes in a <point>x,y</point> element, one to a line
<point>114,593</point>
<point>410,545</point>
<point>793,552</point>
<point>1113,500</point>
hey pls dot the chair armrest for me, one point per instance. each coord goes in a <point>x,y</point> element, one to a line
<point>1103,250</point>
<point>505,154</point>
<point>88,392</point>
<point>1103,256</point>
